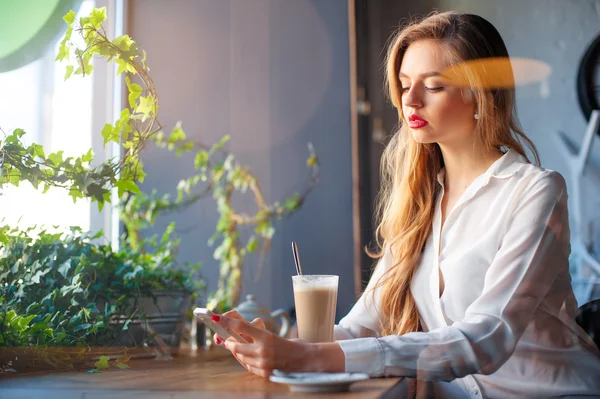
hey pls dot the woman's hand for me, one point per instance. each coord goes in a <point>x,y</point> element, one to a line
<point>258,323</point>
<point>267,351</point>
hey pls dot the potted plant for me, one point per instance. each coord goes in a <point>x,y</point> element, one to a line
<point>60,290</point>
<point>67,272</point>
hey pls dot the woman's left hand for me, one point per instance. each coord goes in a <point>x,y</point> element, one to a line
<point>268,351</point>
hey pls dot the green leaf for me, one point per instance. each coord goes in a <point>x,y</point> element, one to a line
<point>201,160</point>
<point>108,133</point>
<point>252,244</point>
<point>63,52</point>
<point>222,142</point>
<point>135,91</point>
<point>64,268</point>
<point>36,278</point>
<point>69,71</point>
<point>75,193</point>
<point>124,359</point>
<point>88,156</point>
<point>82,327</point>
<point>36,150</point>
<point>69,18</point>
<point>127,185</point>
<point>123,42</point>
<point>10,315</point>
<point>102,363</point>
<point>124,66</point>
<point>19,133</point>
<point>167,234</point>
<point>146,106</point>
<point>126,325</point>
<point>56,158</point>
<point>177,134</point>
<point>98,16</point>
<point>88,68</point>
<point>292,203</point>
<point>133,95</point>
<point>269,232</point>
<point>26,320</point>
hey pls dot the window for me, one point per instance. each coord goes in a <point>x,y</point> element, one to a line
<point>60,115</point>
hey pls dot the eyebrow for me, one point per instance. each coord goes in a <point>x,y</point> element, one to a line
<point>423,75</point>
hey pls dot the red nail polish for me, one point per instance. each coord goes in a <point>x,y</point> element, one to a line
<point>218,340</point>
<point>215,317</point>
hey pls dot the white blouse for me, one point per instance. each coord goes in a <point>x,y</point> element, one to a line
<point>504,325</point>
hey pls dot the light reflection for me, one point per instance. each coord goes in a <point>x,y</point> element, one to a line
<point>498,72</point>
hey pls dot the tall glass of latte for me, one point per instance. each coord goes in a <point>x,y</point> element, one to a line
<point>315,297</point>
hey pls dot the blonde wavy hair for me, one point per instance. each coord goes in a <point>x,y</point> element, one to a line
<point>406,201</point>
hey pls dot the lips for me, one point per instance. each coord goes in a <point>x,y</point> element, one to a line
<point>416,122</point>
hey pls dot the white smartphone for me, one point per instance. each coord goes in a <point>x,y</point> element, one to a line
<point>205,315</point>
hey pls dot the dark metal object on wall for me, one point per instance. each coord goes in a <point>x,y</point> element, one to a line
<point>588,79</point>
<point>588,318</point>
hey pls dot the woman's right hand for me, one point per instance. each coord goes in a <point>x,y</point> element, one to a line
<point>258,323</point>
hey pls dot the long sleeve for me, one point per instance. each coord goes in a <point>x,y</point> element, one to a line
<point>534,245</point>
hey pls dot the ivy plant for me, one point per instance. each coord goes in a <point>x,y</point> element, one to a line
<point>62,290</point>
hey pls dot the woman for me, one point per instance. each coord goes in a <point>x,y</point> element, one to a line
<point>473,283</point>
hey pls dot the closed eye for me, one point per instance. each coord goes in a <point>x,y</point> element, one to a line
<point>430,89</point>
<point>435,89</point>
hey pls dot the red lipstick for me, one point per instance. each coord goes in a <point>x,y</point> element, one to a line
<point>416,122</point>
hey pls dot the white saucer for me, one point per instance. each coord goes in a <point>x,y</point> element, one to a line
<point>317,382</point>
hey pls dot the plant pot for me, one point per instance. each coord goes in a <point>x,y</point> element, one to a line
<point>158,333</point>
<point>162,326</point>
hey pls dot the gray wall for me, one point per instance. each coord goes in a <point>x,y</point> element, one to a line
<point>274,75</point>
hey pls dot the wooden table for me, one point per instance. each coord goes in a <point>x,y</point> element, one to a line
<point>211,373</point>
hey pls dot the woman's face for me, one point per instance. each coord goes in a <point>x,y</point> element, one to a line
<point>434,109</point>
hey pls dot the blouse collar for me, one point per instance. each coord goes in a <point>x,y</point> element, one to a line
<point>505,166</point>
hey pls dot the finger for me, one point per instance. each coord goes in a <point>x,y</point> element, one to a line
<point>256,366</point>
<point>257,362</point>
<point>240,362</point>
<point>247,338</point>
<point>258,323</point>
<point>233,314</point>
<point>217,339</point>
<point>240,326</point>
<point>253,350</point>
<point>259,372</point>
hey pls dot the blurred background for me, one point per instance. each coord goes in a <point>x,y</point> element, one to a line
<point>275,75</point>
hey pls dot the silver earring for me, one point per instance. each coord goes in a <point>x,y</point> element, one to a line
<point>476,116</point>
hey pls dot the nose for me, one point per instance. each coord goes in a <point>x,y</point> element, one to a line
<point>413,97</point>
